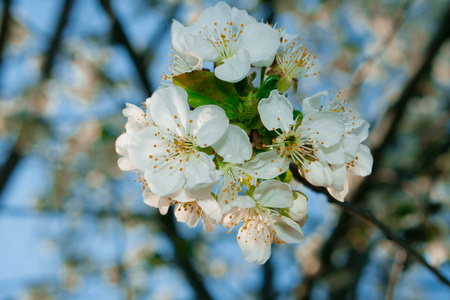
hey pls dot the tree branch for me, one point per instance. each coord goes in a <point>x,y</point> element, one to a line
<point>6,18</point>
<point>56,40</point>
<point>121,37</point>
<point>367,217</point>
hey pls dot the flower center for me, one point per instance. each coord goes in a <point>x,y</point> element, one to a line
<point>224,38</point>
<point>295,60</point>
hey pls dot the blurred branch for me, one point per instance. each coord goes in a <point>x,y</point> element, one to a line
<point>6,18</point>
<point>56,40</point>
<point>119,34</point>
<point>15,154</point>
<point>267,292</point>
<point>366,216</point>
<point>366,66</point>
<point>167,222</point>
<point>182,256</point>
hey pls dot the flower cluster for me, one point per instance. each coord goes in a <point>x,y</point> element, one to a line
<point>217,146</point>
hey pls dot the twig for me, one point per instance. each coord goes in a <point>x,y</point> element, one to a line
<point>6,18</point>
<point>367,217</point>
<point>119,34</point>
<point>56,40</point>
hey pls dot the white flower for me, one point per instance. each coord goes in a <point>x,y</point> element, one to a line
<point>262,224</point>
<point>171,151</point>
<point>190,205</point>
<point>189,51</point>
<point>235,148</point>
<point>357,157</point>
<point>236,38</point>
<point>293,58</point>
<point>137,120</point>
<point>194,204</point>
<point>318,132</point>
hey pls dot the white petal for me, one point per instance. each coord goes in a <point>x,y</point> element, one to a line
<point>276,112</point>
<point>287,230</point>
<point>144,143</point>
<point>339,195</point>
<point>220,13</point>
<point>239,17</point>
<point>123,143</point>
<point>212,209</point>
<point>266,165</point>
<point>319,174</point>
<point>358,127</point>
<point>154,200</point>
<point>163,180</point>
<point>339,176</point>
<point>274,193</point>
<point>333,154</point>
<point>262,42</point>
<point>209,123</point>
<point>187,213</point>
<point>202,193</point>
<point>325,127</point>
<point>177,31</point>
<point>169,109</point>
<point>243,202</point>
<point>254,246</point>
<point>125,164</point>
<point>299,209</point>
<point>350,143</point>
<point>200,47</point>
<point>235,68</point>
<point>363,162</point>
<point>312,104</point>
<point>208,223</point>
<point>234,146</point>
<point>136,118</point>
<point>199,170</point>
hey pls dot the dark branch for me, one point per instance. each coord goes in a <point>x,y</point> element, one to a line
<point>183,256</point>
<point>6,18</point>
<point>367,217</point>
<point>120,36</point>
<point>56,40</point>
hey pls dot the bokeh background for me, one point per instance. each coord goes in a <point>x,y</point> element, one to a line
<point>73,226</point>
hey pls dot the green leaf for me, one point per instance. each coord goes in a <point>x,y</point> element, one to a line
<point>242,126</point>
<point>285,177</point>
<point>298,114</point>
<point>269,84</point>
<point>204,88</point>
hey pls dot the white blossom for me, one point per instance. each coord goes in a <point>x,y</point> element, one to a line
<point>237,40</point>
<point>189,206</point>
<point>293,58</point>
<point>235,148</point>
<point>357,157</point>
<point>318,132</point>
<point>261,223</point>
<point>170,152</point>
